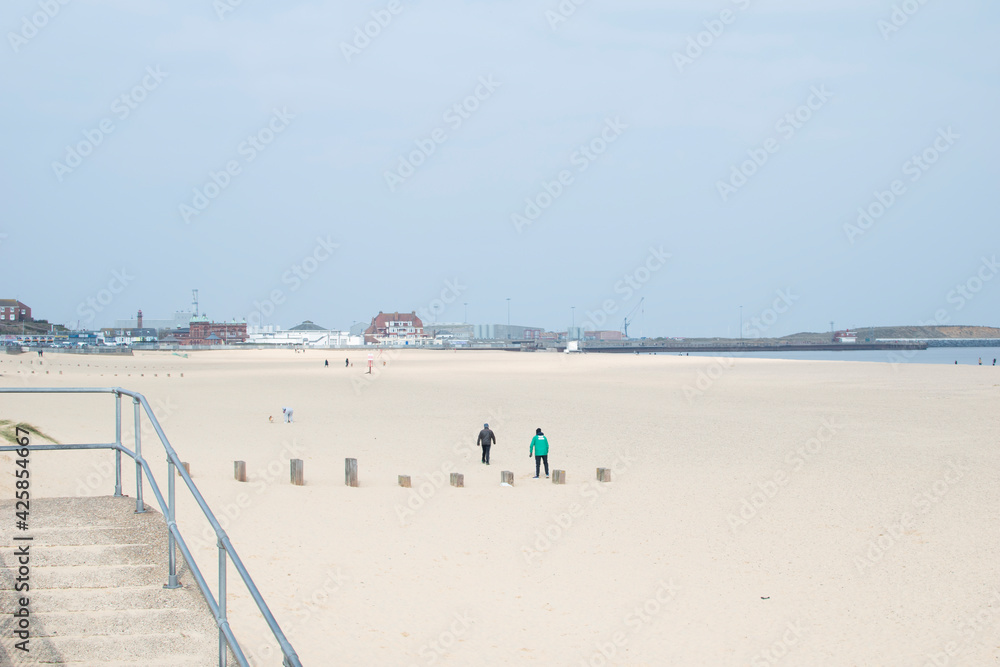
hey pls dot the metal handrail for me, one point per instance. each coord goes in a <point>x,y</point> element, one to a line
<point>226,549</point>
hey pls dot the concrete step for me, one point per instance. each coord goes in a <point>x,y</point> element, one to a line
<point>75,536</point>
<point>115,622</point>
<point>111,599</point>
<point>85,576</point>
<point>53,511</point>
<point>134,649</point>
<point>97,596</point>
<point>178,661</point>
<point>94,554</point>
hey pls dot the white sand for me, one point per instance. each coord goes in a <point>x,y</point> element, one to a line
<point>548,575</point>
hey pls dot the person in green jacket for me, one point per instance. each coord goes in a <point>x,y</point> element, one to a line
<point>540,450</point>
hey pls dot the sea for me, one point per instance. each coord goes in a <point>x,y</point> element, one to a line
<point>965,356</point>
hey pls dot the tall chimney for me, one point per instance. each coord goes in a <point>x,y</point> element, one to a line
<point>138,323</point>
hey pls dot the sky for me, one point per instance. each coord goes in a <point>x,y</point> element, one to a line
<point>690,166</point>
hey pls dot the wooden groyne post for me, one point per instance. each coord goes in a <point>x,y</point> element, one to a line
<point>351,472</point>
<point>240,471</point>
<point>297,472</point>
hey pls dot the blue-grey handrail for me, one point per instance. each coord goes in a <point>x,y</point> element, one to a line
<point>226,548</point>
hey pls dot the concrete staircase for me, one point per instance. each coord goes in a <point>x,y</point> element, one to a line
<point>97,596</point>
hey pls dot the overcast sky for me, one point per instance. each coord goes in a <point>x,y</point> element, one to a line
<point>700,155</point>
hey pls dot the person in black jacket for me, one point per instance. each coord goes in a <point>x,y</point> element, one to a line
<point>486,440</point>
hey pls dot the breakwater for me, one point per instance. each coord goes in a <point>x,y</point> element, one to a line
<point>728,347</point>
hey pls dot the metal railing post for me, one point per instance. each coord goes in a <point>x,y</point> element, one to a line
<point>222,603</point>
<point>171,520</point>
<point>118,441</point>
<point>139,507</point>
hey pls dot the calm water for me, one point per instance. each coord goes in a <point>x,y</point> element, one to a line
<point>932,355</point>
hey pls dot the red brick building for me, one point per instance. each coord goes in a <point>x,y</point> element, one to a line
<point>12,310</point>
<point>395,329</point>
<point>203,332</point>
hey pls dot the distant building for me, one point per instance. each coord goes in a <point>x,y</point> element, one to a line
<point>579,333</point>
<point>306,334</point>
<point>78,338</point>
<point>203,332</point>
<point>453,330</point>
<point>12,310</point>
<point>396,329</point>
<point>845,336</point>
<point>500,331</point>
<point>113,336</point>
<point>180,320</point>
<point>176,336</point>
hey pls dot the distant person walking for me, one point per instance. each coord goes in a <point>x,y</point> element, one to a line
<point>371,361</point>
<point>326,363</point>
<point>288,414</point>
<point>980,361</point>
<point>485,440</point>
<point>540,450</point>
<point>347,362</point>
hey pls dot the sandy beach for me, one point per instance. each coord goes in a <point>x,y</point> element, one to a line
<point>761,512</point>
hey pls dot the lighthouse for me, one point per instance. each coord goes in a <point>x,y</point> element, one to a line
<point>138,320</point>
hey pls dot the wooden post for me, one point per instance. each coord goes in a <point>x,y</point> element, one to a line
<point>457,479</point>
<point>351,472</point>
<point>507,477</point>
<point>604,474</point>
<point>404,480</point>
<point>298,472</point>
<point>187,466</point>
<point>240,471</point>
<point>558,476</point>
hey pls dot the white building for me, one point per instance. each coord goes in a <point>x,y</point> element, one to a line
<point>306,334</point>
<point>846,336</point>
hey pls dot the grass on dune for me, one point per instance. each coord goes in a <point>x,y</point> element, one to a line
<point>8,431</point>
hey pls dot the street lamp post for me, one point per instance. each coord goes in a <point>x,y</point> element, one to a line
<point>741,324</point>
<point>466,304</point>
<point>572,310</point>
